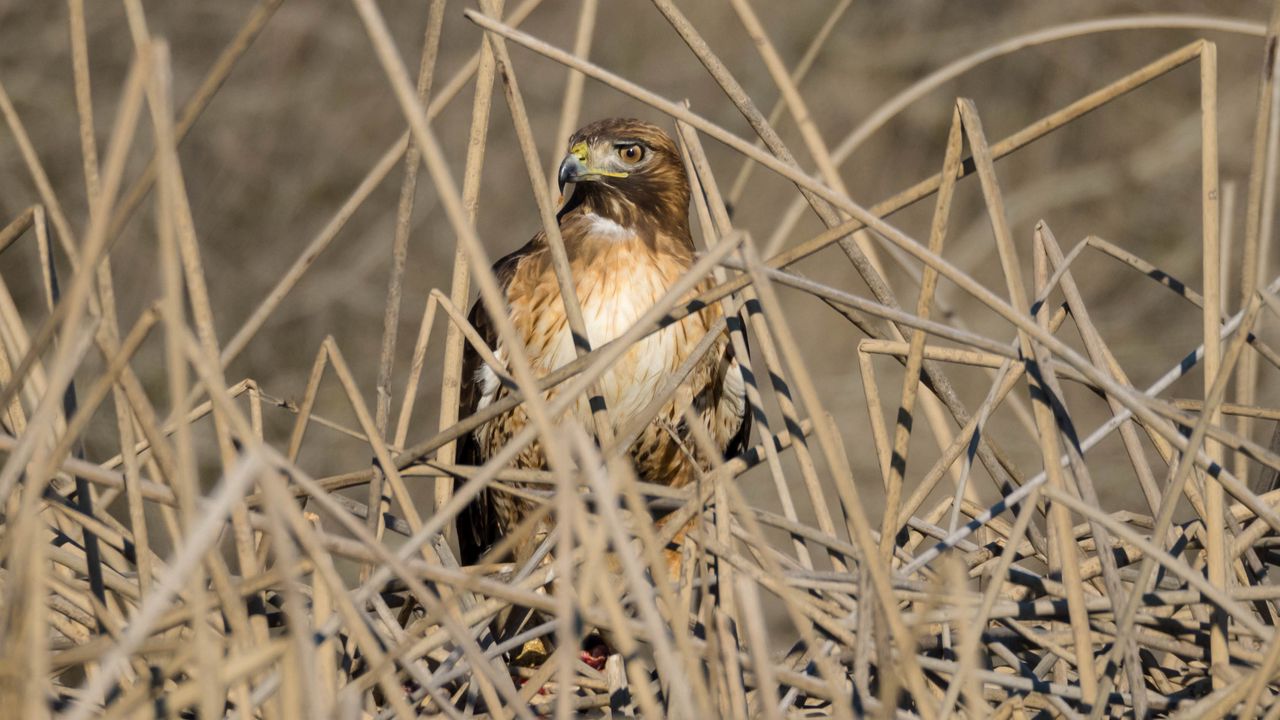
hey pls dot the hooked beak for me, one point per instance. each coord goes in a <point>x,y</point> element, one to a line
<point>572,169</point>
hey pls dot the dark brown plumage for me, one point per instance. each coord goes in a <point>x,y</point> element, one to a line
<point>626,233</point>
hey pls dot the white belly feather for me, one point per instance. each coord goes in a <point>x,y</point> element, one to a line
<point>606,314</point>
<point>621,283</point>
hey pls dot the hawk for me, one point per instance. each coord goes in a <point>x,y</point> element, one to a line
<point>626,232</point>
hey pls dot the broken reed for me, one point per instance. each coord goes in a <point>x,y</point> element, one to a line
<point>1041,600</point>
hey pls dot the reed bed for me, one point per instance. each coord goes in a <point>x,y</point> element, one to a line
<point>201,569</point>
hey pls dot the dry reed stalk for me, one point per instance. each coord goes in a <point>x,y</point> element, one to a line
<point>182,571</point>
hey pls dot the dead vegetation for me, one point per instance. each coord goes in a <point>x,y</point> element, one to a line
<point>198,565</point>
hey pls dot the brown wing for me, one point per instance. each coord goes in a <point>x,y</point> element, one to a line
<point>477,525</point>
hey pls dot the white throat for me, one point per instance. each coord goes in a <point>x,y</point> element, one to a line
<point>603,226</point>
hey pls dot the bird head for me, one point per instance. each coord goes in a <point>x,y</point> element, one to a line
<point>617,165</point>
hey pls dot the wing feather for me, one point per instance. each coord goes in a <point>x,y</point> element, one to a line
<point>478,526</point>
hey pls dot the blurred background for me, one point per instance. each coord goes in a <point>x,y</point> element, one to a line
<point>308,111</point>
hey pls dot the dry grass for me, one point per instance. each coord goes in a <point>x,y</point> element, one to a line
<point>1072,531</point>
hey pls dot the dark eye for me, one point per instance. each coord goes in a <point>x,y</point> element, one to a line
<point>631,154</point>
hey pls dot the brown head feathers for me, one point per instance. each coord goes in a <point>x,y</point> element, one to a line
<point>631,174</point>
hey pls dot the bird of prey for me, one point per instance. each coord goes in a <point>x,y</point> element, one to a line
<point>626,233</point>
